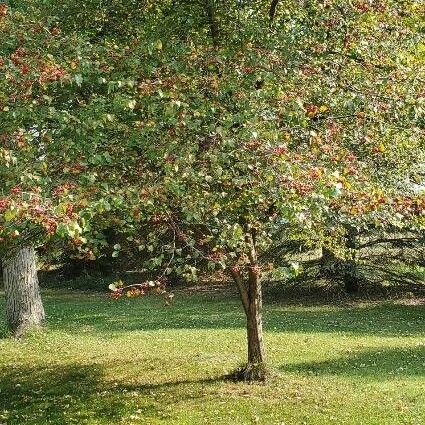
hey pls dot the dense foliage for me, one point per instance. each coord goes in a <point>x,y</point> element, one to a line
<point>308,121</point>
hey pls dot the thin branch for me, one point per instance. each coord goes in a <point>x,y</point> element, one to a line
<point>384,240</point>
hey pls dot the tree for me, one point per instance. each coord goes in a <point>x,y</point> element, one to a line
<point>24,309</point>
<point>36,202</point>
<point>202,133</point>
<point>217,145</point>
<point>268,130</point>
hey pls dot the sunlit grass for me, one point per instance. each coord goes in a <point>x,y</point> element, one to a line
<point>138,362</point>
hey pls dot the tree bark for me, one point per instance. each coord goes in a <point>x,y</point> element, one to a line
<point>24,308</point>
<point>256,350</point>
<point>272,10</point>
<point>251,296</point>
<point>212,21</point>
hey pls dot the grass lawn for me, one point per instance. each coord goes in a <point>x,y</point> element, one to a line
<point>137,362</point>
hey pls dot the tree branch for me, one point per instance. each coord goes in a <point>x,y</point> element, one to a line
<point>212,22</point>
<point>241,288</point>
<point>272,10</point>
<point>389,240</point>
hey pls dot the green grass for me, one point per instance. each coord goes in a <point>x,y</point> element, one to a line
<point>137,362</point>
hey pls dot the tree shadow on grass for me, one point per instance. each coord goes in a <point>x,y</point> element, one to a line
<point>70,312</point>
<point>67,394</point>
<point>55,394</point>
<point>193,312</point>
<point>379,364</point>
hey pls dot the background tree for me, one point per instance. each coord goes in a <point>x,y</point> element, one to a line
<point>36,202</point>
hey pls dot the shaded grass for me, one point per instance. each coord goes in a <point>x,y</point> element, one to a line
<point>222,310</point>
<point>138,362</point>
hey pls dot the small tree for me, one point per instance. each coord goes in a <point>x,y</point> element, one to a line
<point>296,127</point>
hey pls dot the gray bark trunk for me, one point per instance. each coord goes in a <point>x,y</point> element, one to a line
<point>251,295</point>
<point>24,308</point>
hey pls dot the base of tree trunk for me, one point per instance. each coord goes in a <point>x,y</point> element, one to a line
<point>351,277</point>
<point>351,284</point>
<point>24,308</point>
<point>251,372</point>
<point>26,330</point>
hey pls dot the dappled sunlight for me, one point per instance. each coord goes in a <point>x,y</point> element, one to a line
<point>381,363</point>
<point>110,362</point>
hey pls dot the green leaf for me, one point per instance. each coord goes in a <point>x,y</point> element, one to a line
<point>78,78</point>
<point>9,215</point>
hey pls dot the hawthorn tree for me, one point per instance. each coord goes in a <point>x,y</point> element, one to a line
<point>313,125</point>
<point>205,131</point>
<point>61,159</point>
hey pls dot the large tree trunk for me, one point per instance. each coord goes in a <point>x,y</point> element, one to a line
<point>24,308</point>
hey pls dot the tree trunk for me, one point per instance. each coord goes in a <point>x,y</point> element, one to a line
<point>272,10</point>
<point>256,350</point>
<point>212,21</point>
<point>251,296</point>
<point>24,308</point>
<point>351,275</point>
<point>332,267</point>
<point>328,264</point>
